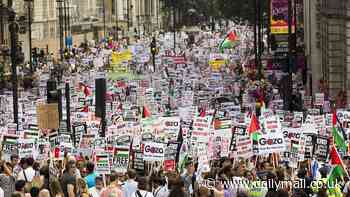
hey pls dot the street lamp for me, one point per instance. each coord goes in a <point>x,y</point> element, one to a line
<point>60,21</point>
<point>30,7</point>
<point>174,24</point>
<point>14,28</point>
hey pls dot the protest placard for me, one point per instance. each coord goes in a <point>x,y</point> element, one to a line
<point>321,148</point>
<point>9,145</point>
<point>43,149</point>
<point>102,164</point>
<point>26,148</point>
<point>138,163</point>
<point>153,151</point>
<point>270,143</point>
<point>47,115</point>
<point>201,128</point>
<point>121,160</point>
<point>171,128</point>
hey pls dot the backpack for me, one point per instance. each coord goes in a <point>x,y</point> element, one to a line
<point>36,182</point>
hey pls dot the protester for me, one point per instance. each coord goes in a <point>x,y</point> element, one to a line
<point>90,178</point>
<point>130,186</point>
<point>113,187</point>
<point>7,181</point>
<point>55,188</point>
<point>142,188</point>
<point>82,188</point>
<point>97,189</point>
<point>68,179</point>
<point>28,173</point>
<point>188,178</point>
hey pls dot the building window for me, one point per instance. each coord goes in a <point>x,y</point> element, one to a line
<point>52,32</point>
<point>46,31</point>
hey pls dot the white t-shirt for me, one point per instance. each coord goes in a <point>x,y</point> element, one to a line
<point>1,192</point>
<point>30,174</point>
<point>161,192</point>
<point>94,192</point>
<point>143,194</point>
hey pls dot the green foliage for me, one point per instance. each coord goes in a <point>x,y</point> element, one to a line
<point>219,9</point>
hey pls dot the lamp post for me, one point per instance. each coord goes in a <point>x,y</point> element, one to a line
<point>116,20</point>
<point>174,25</point>
<point>290,60</point>
<point>29,7</point>
<point>104,19</point>
<point>60,21</point>
<point>14,28</point>
<point>256,37</point>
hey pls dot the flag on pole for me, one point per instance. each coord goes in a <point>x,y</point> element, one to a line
<point>254,128</point>
<point>338,135</point>
<point>228,42</point>
<point>338,170</point>
<point>145,112</point>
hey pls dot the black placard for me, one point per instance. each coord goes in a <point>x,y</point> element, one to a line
<point>321,148</point>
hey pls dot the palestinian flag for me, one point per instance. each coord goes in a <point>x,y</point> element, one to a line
<point>254,128</point>
<point>338,135</point>
<point>10,139</point>
<point>338,170</point>
<point>228,42</point>
<point>31,134</point>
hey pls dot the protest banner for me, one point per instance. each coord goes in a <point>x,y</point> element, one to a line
<point>26,148</point>
<point>310,140</point>
<point>121,160</point>
<point>270,143</point>
<point>102,164</point>
<point>78,130</point>
<point>171,128</point>
<point>243,144</point>
<point>9,145</point>
<point>237,131</point>
<point>171,151</point>
<point>201,128</point>
<point>138,162</point>
<point>321,148</point>
<point>47,116</point>
<point>87,141</point>
<point>319,99</point>
<point>279,17</point>
<point>43,149</point>
<point>153,151</point>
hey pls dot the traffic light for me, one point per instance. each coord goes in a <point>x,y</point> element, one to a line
<point>66,53</point>
<point>154,52</point>
<point>153,46</point>
<point>52,93</point>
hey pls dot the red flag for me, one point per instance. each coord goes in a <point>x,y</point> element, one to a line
<point>232,36</point>
<point>57,152</point>
<point>334,118</point>
<point>202,113</point>
<point>146,113</point>
<point>254,125</point>
<point>85,109</point>
<point>87,91</point>
<point>334,156</point>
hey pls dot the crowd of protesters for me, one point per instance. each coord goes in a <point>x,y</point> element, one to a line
<point>27,177</point>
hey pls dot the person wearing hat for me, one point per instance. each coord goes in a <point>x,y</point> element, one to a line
<point>187,177</point>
